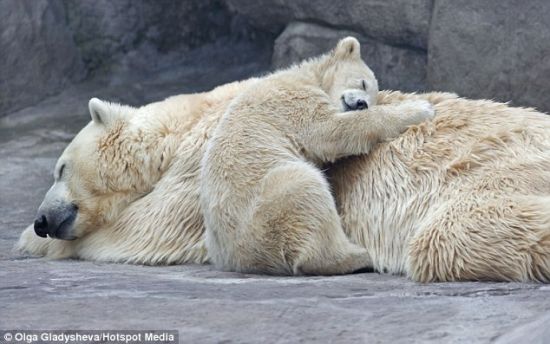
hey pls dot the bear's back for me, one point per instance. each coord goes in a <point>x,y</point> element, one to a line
<point>473,149</point>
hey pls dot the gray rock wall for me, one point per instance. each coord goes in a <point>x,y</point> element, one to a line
<point>104,30</point>
<point>37,54</point>
<point>480,49</point>
<point>400,22</point>
<point>47,45</point>
<point>489,49</point>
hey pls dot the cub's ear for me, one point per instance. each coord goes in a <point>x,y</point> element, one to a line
<point>348,47</point>
<point>100,111</point>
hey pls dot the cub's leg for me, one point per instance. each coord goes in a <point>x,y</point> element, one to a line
<point>356,132</point>
<point>485,239</point>
<point>297,228</point>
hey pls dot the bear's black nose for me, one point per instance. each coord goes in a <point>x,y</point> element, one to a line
<point>361,104</point>
<point>41,226</point>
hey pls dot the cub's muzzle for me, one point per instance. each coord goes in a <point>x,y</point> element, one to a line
<point>354,100</point>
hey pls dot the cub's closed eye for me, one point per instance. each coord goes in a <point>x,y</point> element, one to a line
<point>364,84</point>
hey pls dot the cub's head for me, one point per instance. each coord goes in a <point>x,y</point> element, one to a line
<point>346,78</point>
<point>100,172</point>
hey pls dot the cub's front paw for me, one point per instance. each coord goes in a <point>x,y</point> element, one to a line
<point>418,111</point>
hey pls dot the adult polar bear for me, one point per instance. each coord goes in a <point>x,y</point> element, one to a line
<point>466,196</point>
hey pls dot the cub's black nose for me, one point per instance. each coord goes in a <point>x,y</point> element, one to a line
<point>361,104</point>
<point>41,226</point>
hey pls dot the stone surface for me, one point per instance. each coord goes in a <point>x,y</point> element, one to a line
<point>205,305</point>
<point>396,68</point>
<point>482,49</point>
<point>48,45</point>
<point>535,332</point>
<point>38,55</point>
<point>399,22</point>
<point>104,30</point>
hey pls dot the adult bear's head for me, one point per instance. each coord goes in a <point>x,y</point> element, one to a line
<point>109,164</point>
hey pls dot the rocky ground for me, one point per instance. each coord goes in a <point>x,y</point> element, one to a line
<point>203,304</point>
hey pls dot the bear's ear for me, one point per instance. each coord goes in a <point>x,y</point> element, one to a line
<point>100,111</point>
<point>348,47</point>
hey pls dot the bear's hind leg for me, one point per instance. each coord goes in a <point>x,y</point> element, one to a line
<point>298,229</point>
<point>487,239</point>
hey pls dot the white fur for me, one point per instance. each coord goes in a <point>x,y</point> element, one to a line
<point>463,197</point>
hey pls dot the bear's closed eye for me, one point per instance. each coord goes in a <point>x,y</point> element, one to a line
<point>61,170</point>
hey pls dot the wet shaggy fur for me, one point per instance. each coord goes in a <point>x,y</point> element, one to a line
<point>464,197</point>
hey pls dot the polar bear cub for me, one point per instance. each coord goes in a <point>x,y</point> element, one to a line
<point>267,205</point>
